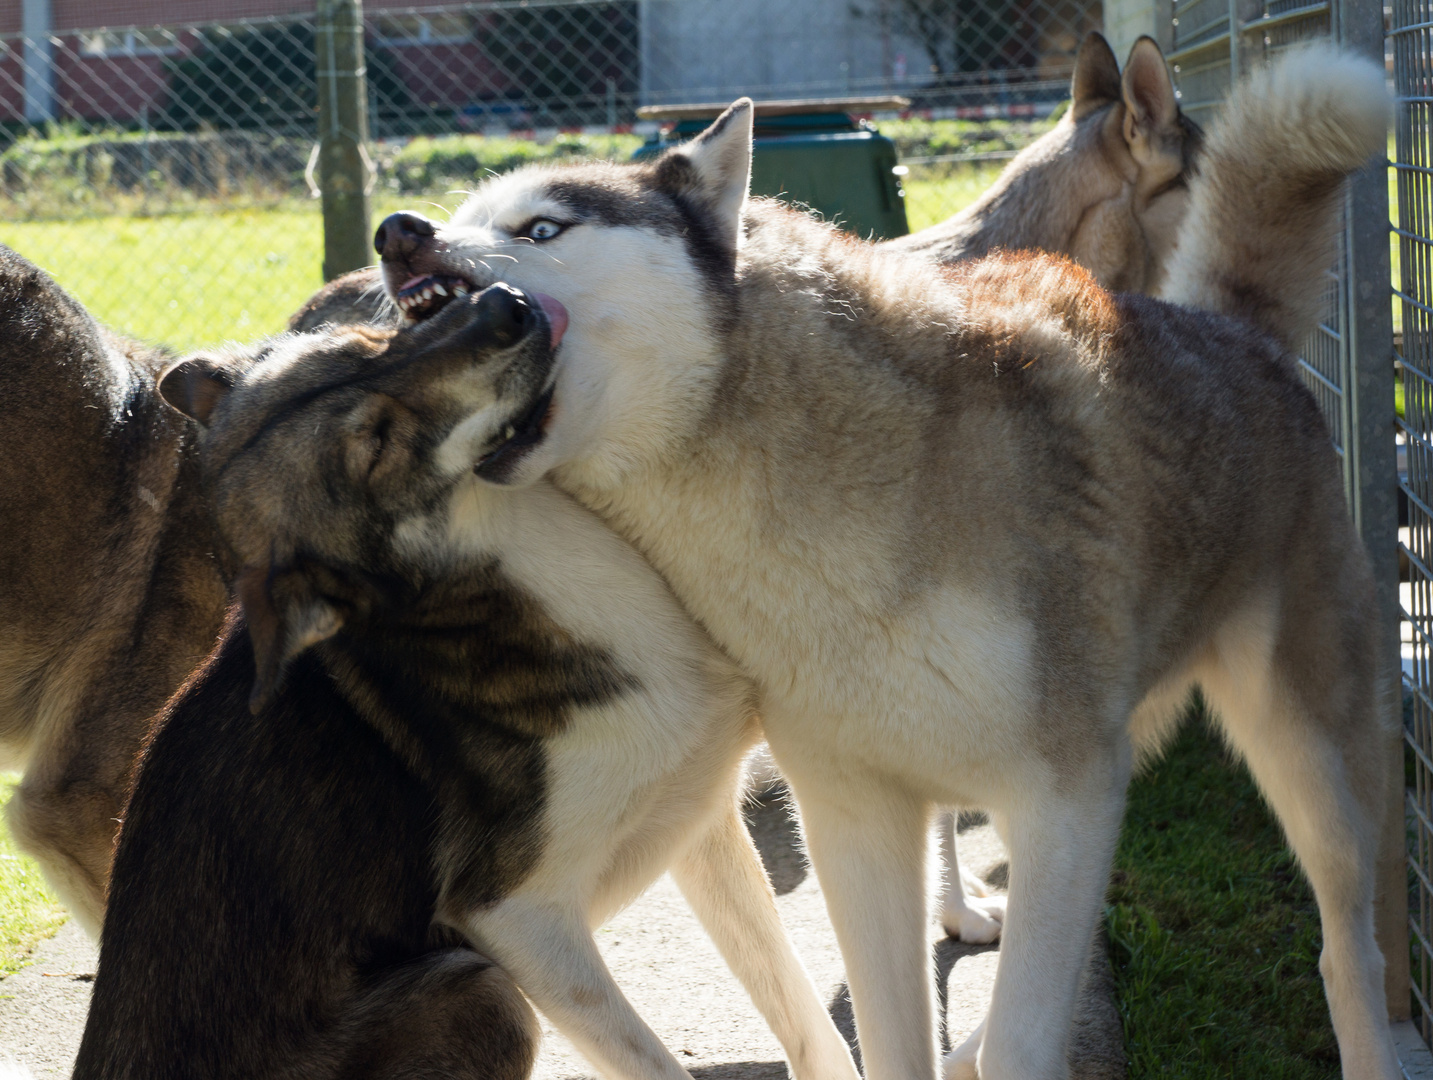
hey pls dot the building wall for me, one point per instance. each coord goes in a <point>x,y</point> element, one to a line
<point>698,52</point>
<point>1126,20</point>
<point>87,14</point>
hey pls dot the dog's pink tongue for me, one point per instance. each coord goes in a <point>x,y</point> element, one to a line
<point>556,315</point>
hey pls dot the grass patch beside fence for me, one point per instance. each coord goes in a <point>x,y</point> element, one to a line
<point>155,278</point>
<point>1213,930</point>
<point>28,910</point>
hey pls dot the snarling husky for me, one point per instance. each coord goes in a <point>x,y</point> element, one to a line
<point>976,531</point>
<point>477,716</point>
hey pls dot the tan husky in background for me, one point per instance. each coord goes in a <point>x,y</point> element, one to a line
<point>1108,186</point>
<point>975,533</point>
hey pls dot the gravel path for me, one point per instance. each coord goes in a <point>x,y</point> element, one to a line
<point>667,967</point>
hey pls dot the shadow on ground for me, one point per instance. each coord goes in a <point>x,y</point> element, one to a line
<point>742,1070</point>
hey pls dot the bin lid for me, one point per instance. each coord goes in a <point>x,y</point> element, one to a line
<point>806,107</point>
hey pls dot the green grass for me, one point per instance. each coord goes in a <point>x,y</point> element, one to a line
<point>1213,930</point>
<point>193,280</point>
<point>929,202</point>
<point>200,279</point>
<point>28,911</point>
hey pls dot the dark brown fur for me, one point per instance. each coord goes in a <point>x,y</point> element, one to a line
<point>109,594</point>
<point>274,902</point>
<point>282,880</point>
<point>356,297</point>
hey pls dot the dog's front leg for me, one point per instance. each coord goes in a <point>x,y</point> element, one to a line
<point>1062,837</point>
<point>868,842</point>
<point>722,878</point>
<point>549,952</point>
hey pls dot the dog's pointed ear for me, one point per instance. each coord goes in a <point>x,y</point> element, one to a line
<point>285,616</point>
<point>195,385</point>
<point>1096,80</point>
<point>714,171</point>
<point>1148,92</point>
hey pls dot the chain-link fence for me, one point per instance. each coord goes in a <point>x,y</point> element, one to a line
<point>1351,363</point>
<point>1412,54</point>
<point>167,173</point>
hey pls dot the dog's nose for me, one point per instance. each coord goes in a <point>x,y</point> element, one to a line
<point>401,234</point>
<point>503,312</point>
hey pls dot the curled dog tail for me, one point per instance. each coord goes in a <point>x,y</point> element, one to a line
<point>1259,234</point>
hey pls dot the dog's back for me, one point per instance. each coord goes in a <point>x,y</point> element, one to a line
<point>106,545</point>
<point>302,850</point>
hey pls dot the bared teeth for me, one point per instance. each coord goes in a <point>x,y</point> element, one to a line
<point>426,295</point>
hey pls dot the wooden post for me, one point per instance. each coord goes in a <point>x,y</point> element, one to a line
<point>344,168</point>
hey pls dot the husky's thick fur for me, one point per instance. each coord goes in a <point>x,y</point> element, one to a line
<point>477,712</point>
<point>1107,187</point>
<point>975,532</point>
<point>109,593</point>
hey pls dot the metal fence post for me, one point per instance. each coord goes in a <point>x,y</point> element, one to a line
<point>1375,475</point>
<point>345,169</point>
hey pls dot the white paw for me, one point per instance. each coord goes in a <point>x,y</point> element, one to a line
<point>960,1063</point>
<point>974,919</point>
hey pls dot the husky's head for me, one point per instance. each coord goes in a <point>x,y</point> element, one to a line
<point>322,452</point>
<point>643,256</point>
<point>1107,186</point>
<point>1127,190</point>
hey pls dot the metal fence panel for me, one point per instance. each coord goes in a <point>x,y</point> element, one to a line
<point>166,173</point>
<point>1347,363</point>
<point>1412,47</point>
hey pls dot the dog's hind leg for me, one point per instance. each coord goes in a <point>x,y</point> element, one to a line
<point>967,910</point>
<point>548,949</point>
<point>722,878</point>
<point>1297,687</point>
<point>450,1013</point>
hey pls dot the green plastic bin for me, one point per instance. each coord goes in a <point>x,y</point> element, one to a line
<point>811,152</point>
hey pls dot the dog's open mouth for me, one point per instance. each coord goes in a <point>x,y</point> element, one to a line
<point>423,297</point>
<point>520,436</point>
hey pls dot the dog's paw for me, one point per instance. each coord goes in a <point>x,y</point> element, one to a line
<point>975,920</point>
<point>960,1063</point>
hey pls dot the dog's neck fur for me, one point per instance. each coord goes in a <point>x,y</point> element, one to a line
<point>714,489</point>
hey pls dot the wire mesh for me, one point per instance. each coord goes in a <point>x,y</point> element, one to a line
<point>165,173</point>
<point>1412,50</point>
<point>1215,41</point>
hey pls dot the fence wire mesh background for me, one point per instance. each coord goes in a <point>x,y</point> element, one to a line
<point>1412,48</point>
<point>163,173</point>
<point>1214,41</point>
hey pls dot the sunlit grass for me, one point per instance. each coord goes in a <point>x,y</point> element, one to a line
<point>28,910</point>
<point>929,202</point>
<point>200,279</point>
<point>191,280</point>
<point>1214,933</point>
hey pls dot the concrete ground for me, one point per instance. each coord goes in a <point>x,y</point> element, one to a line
<point>667,967</point>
